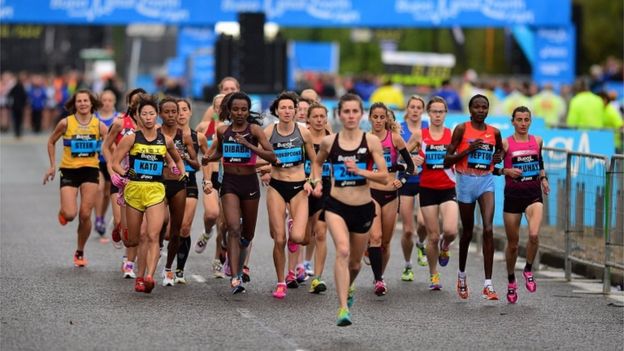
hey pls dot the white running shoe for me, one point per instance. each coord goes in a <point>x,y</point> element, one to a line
<point>128,270</point>
<point>202,242</point>
<point>217,269</point>
<point>168,280</point>
<point>179,277</point>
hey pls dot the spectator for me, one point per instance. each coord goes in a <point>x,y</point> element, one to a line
<point>612,118</point>
<point>38,99</point>
<point>549,106</point>
<point>450,95</point>
<point>389,95</point>
<point>586,108</point>
<point>18,99</point>
<point>515,98</point>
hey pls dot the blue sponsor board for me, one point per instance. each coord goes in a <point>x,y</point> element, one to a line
<point>554,55</point>
<point>294,13</point>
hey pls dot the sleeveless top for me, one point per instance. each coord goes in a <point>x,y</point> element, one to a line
<point>478,162</point>
<point>434,175</point>
<point>406,134</point>
<point>389,152</point>
<point>337,156</point>
<point>326,170</point>
<point>210,132</point>
<point>235,154</point>
<point>81,143</point>
<point>288,148</point>
<point>147,158</point>
<point>107,122</point>
<point>127,128</point>
<point>525,156</point>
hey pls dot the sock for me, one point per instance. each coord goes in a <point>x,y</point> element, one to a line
<point>511,278</point>
<point>307,263</point>
<point>376,261</point>
<point>461,274</point>
<point>488,282</point>
<point>418,242</point>
<point>183,252</point>
<point>528,267</point>
<point>408,264</point>
<point>99,218</point>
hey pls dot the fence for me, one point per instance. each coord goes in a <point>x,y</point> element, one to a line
<point>584,213</point>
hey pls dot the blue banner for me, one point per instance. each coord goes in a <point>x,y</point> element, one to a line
<point>294,13</point>
<point>555,56</point>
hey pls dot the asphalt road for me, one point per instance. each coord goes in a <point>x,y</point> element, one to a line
<point>48,304</point>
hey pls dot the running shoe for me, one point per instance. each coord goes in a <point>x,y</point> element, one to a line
<point>280,291</point>
<point>407,275</point>
<point>301,274</point>
<point>116,236</point>
<point>351,296</point>
<point>62,219</point>
<point>128,270</point>
<point>217,269</point>
<point>292,247</point>
<point>139,285</point>
<point>179,277</point>
<point>462,288</point>
<point>309,270</point>
<point>512,294</point>
<point>149,284</point>
<point>531,285</point>
<point>246,274</point>
<point>444,256</point>
<point>344,317</point>
<point>489,293</point>
<point>237,286</point>
<point>435,282</point>
<point>100,227</point>
<point>79,260</point>
<point>317,286</point>
<point>202,242</point>
<point>291,280</point>
<point>380,288</point>
<point>422,256</point>
<point>366,258</point>
<point>168,280</point>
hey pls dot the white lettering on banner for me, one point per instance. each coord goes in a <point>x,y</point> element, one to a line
<point>336,11</point>
<point>558,160</point>
<point>436,11</point>
<point>170,10</point>
<point>6,12</point>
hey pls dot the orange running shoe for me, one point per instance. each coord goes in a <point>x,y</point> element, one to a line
<point>139,285</point>
<point>79,260</point>
<point>62,219</point>
<point>489,293</point>
<point>149,284</point>
<point>462,288</point>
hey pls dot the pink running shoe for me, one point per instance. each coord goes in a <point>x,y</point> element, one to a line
<point>512,295</point>
<point>280,291</point>
<point>292,247</point>
<point>380,288</point>
<point>301,274</point>
<point>531,285</point>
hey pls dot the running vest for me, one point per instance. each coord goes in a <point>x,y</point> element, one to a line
<point>187,166</point>
<point>326,172</point>
<point>288,148</point>
<point>525,156</point>
<point>147,158</point>
<point>127,128</point>
<point>434,175</point>
<point>210,132</point>
<point>81,143</point>
<point>337,156</point>
<point>107,122</point>
<point>478,162</point>
<point>235,154</point>
<point>389,152</point>
<point>406,134</point>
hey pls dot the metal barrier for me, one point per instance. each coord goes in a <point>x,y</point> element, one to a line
<point>553,225</point>
<point>585,184</point>
<point>614,202</point>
